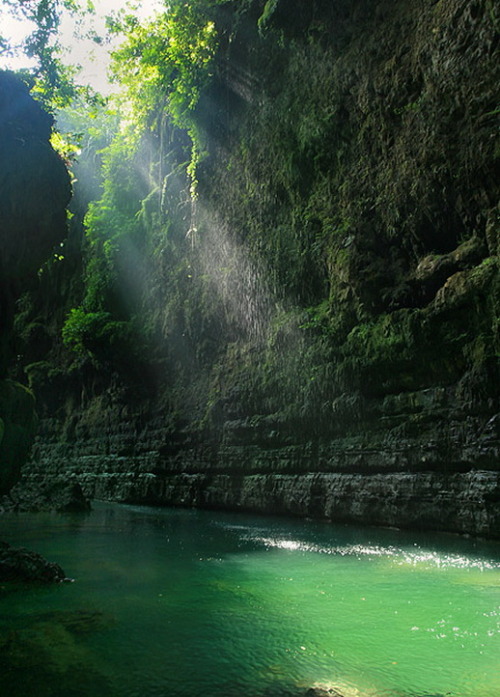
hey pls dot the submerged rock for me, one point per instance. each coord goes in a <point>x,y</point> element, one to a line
<point>78,622</point>
<point>20,564</point>
<point>46,657</point>
<point>323,692</point>
<point>329,691</point>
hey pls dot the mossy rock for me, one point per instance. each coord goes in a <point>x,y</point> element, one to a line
<point>22,565</point>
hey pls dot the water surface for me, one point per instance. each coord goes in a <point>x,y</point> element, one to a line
<point>178,603</point>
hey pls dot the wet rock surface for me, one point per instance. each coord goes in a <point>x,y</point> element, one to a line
<point>23,565</point>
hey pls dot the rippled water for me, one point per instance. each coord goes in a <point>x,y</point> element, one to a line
<point>176,603</point>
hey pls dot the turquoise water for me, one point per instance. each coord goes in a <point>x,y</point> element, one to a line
<point>177,603</point>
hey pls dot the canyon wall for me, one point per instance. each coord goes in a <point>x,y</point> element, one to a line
<point>34,192</point>
<point>319,326</point>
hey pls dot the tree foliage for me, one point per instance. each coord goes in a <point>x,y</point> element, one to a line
<point>50,79</point>
<point>169,57</point>
<point>164,66</point>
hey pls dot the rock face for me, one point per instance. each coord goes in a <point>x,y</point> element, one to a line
<point>404,484</point>
<point>60,496</point>
<point>34,192</point>
<point>35,183</point>
<point>323,320</point>
<point>17,431</point>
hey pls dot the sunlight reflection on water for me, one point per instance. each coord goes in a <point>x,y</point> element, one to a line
<point>173,603</point>
<point>401,556</point>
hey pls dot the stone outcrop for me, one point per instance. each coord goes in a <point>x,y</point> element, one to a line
<point>22,565</point>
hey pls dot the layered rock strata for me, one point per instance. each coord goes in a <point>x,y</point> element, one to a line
<point>443,478</point>
<point>326,312</point>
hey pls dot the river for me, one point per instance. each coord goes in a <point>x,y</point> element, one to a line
<point>186,603</point>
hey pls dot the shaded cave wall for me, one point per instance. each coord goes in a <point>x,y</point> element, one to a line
<point>323,319</point>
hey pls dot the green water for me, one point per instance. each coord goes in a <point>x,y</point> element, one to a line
<point>175,603</point>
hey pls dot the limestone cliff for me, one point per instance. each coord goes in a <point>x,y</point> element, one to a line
<point>322,322</point>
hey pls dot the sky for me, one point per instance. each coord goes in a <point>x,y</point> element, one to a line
<point>93,58</point>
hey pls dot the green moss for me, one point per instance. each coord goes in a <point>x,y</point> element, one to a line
<point>98,335</point>
<point>40,373</point>
<point>269,10</point>
<point>317,316</point>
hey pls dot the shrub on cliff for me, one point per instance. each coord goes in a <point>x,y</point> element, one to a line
<point>95,334</point>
